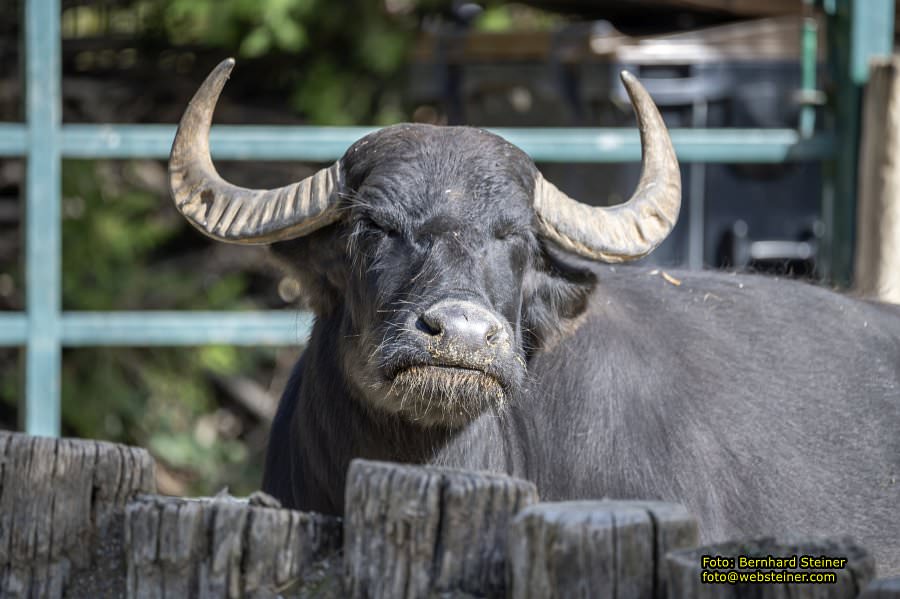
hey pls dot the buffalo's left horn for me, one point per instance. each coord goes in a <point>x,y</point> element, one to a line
<point>630,230</point>
<point>236,214</point>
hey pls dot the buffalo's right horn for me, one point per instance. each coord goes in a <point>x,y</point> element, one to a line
<point>630,230</point>
<point>236,214</point>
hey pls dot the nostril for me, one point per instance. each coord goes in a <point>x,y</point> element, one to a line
<point>463,325</point>
<point>429,326</point>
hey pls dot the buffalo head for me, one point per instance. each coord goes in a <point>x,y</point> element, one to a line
<point>440,255</point>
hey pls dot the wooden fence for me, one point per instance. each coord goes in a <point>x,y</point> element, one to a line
<point>877,266</point>
<point>80,519</point>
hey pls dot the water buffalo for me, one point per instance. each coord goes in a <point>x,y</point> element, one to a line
<point>465,317</point>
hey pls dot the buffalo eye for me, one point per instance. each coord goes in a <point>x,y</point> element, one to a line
<point>384,228</point>
<point>505,231</point>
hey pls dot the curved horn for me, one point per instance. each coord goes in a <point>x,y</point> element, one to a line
<point>230,213</point>
<point>627,231</point>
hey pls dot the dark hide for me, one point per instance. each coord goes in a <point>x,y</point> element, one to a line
<point>765,406</point>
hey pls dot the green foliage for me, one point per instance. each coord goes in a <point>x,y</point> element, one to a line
<point>500,17</point>
<point>252,26</point>
<point>496,18</point>
<point>118,229</point>
<point>346,54</point>
<point>119,240</point>
<point>346,58</point>
<point>162,399</point>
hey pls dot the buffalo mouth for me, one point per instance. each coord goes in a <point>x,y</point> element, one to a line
<point>448,395</point>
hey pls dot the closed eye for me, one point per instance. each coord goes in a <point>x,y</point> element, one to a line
<point>383,227</point>
<point>503,232</point>
<point>389,231</point>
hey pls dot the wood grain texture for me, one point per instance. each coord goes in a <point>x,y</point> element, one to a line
<point>596,548</point>
<point>77,520</point>
<point>685,570</point>
<point>222,547</point>
<point>61,507</point>
<point>883,588</point>
<point>413,531</point>
<point>877,265</point>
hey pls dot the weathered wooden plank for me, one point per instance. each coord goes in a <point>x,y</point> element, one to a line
<point>61,506</point>
<point>882,588</point>
<point>596,548</point>
<point>877,267</point>
<point>685,570</point>
<point>413,531</point>
<point>223,547</point>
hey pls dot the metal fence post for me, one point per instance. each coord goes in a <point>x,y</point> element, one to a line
<point>42,217</point>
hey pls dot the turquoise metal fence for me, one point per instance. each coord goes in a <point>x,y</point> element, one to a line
<point>859,29</point>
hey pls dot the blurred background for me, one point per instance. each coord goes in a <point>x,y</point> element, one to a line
<point>204,412</point>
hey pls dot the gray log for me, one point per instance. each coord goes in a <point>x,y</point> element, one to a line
<point>596,548</point>
<point>685,570</point>
<point>61,509</point>
<point>222,547</point>
<point>420,531</point>
<point>883,588</point>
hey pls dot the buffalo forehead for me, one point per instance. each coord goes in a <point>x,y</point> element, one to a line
<point>426,171</point>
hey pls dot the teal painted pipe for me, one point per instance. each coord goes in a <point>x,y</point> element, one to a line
<point>322,144</point>
<point>153,328</point>
<point>227,142</point>
<point>691,145</point>
<point>13,139</point>
<point>167,328</point>
<point>43,226</point>
<point>13,329</point>
<point>809,62</point>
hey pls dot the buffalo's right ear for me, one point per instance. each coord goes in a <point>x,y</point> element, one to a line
<point>555,293</point>
<point>319,263</point>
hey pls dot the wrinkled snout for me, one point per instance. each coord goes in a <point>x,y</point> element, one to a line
<point>462,333</point>
<point>450,363</point>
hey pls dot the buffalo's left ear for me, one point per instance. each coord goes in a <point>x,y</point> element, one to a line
<point>555,291</point>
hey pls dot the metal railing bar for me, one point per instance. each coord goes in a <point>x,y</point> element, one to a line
<point>175,328</point>
<point>43,226</point>
<point>691,145</point>
<point>13,139</point>
<point>320,144</point>
<point>13,329</point>
<point>228,142</point>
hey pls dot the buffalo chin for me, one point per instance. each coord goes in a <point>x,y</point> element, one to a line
<point>444,395</point>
